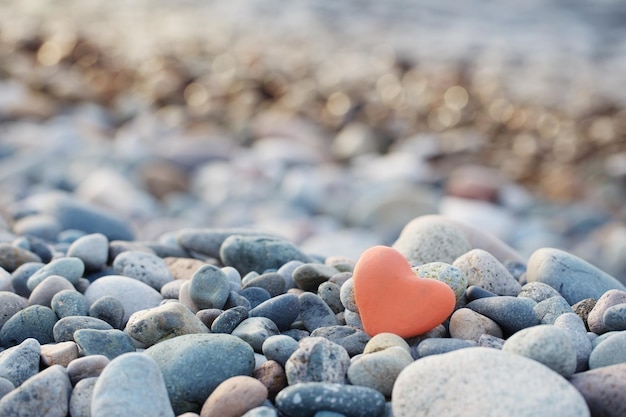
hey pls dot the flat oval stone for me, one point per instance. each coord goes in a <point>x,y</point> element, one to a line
<point>512,314</point>
<point>86,367</point>
<point>209,315</point>
<point>19,363</point>
<point>439,345</point>
<point>110,343</point>
<point>47,289</point>
<point>64,329</point>
<point>12,257</point>
<point>109,309</point>
<point>330,293</point>
<point>69,268</point>
<point>482,269</point>
<point>604,389</point>
<point>47,391</point>
<point>353,340</point>
<point>209,241</point>
<point>510,385</point>
<point>21,276</point>
<point>310,276</point>
<point>470,325</point>
<point>82,395</point>
<point>92,249</point>
<point>255,295</point>
<point>305,399</point>
<point>317,360</point>
<point>446,273</point>
<point>209,287</point>
<point>133,294</point>
<point>379,370</point>
<point>34,321</point>
<point>272,282</point>
<point>575,328</point>
<point>315,313</point>
<point>547,344</point>
<point>213,357</point>
<point>234,397</point>
<point>611,351</point>
<point>279,348</point>
<point>614,317</point>
<point>142,266</point>
<point>69,302</point>
<point>254,331</point>
<point>163,322</point>
<point>287,272</point>
<point>10,304</point>
<point>549,310</point>
<point>595,319</point>
<point>538,291</point>
<point>575,278</point>
<point>228,320</point>
<point>259,253</point>
<point>131,384</point>
<point>282,310</point>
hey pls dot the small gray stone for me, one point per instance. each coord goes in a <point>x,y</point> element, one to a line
<point>47,289</point>
<point>487,340</point>
<point>86,367</point>
<point>21,276</point>
<point>547,344</point>
<point>317,360</point>
<point>510,385</point>
<point>379,370</point>
<point>109,309</point>
<point>131,385</point>
<point>538,291</point>
<point>330,293</point>
<point>10,304</point>
<point>550,309</point>
<point>110,343</point>
<point>209,287</point>
<point>575,327</point>
<point>259,253</point>
<point>34,321</point>
<point>64,329</point>
<point>287,272</point>
<point>69,268</point>
<point>169,320</point>
<point>213,359</point>
<point>254,331</point>
<point>82,394</point>
<point>315,313</point>
<point>353,319</point>
<point>596,315</point>
<point>133,294</point>
<point>309,277</point>
<point>69,302</point>
<point>145,267</point>
<point>279,348</point>
<point>470,325</point>
<point>20,362</point>
<point>439,345</point>
<point>304,400</point>
<point>282,310</point>
<point>575,278</point>
<point>347,296</point>
<point>482,269</point>
<point>228,320</point>
<point>171,290</point>
<point>92,249</point>
<point>209,241</point>
<point>446,273</point>
<point>604,390</point>
<point>255,295</point>
<point>512,314</point>
<point>353,340</point>
<point>614,317</point>
<point>611,351</point>
<point>236,300</point>
<point>272,282</point>
<point>45,394</point>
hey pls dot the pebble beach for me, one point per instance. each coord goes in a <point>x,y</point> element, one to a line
<point>358,209</point>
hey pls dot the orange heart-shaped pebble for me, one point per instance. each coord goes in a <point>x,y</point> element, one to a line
<point>392,299</point>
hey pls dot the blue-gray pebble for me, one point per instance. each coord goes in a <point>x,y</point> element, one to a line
<point>69,268</point>
<point>550,309</point>
<point>439,345</point>
<point>108,309</point>
<point>255,295</point>
<point>272,282</point>
<point>67,303</point>
<point>511,313</point>
<point>229,320</point>
<point>353,340</point>
<point>310,276</point>
<point>279,348</point>
<point>20,362</point>
<point>10,304</point>
<point>64,329</point>
<point>330,293</point>
<point>145,267</point>
<point>209,287</point>
<point>254,331</point>
<point>21,276</point>
<point>110,343</point>
<point>282,310</point>
<point>317,360</point>
<point>34,321</point>
<point>92,249</point>
<point>609,352</point>
<point>314,312</point>
<point>614,317</point>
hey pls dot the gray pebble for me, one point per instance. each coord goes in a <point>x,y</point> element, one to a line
<point>208,316</point>
<point>330,293</point>
<point>379,370</point>
<point>228,320</point>
<point>583,308</point>
<point>80,401</point>
<point>272,282</point>
<point>347,296</point>
<point>145,267</point>
<point>69,268</point>
<point>259,253</point>
<point>110,343</point>
<point>446,273</point>
<point>64,328</point>
<point>209,287</point>
<point>171,290</point>
<point>47,289</point>
<point>317,360</point>
<point>509,384</point>
<point>575,278</point>
<point>236,300</point>
<point>49,390</point>
<point>92,249</point>
<point>470,325</point>
<point>10,304</point>
<point>21,276</point>
<point>547,344</point>
<point>213,359</point>
<point>482,269</point>
<point>512,314</point>
<point>550,309</point>
<point>287,272</point>
<point>282,310</point>
<point>69,302</point>
<point>353,340</point>
<point>309,277</point>
<point>109,309</point>
<point>487,340</point>
<point>352,319</point>
<point>596,340</point>
<point>611,351</point>
<point>304,400</point>
<point>86,367</point>
<point>6,386</point>
<point>20,362</point>
<point>254,331</point>
<point>131,385</point>
<point>596,315</point>
<point>614,317</point>
<point>208,241</point>
<point>604,390</point>
<point>538,291</point>
<point>439,345</point>
<point>263,411</point>
<point>255,295</point>
<point>315,313</point>
<point>34,321</point>
<point>279,348</point>
<point>575,327</point>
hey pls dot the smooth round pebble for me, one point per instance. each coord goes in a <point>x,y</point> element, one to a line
<point>6,386</point>
<point>254,331</point>
<point>538,291</point>
<point>272,282</point>
<point>64,329</point>
<point>614,317</point>
<point>10,304</point>
<point>47,289</point>
<point>263,411</point>
<point>384,341</point>
<point>595,319</point>
<point>11,257</point>
<point>439,345</point>
<point>611,351</point>
<point>583,308</point>
<point>470,325</point>
<point>110,343</point>
<point>58,353</point>
<point>279,348</point>
<point>21,276</point>
<point>69,268</point>
<point>330,293</point>
<point>144,267</point>
<point>510,313</point>
<point>282,310</point>
<point>19,363</point>
<point>550,309</point>
<point>445,273</point>
<point>575,327</point>
<point>234,397</point>
<point>209,287</point>
<point>69,302</point>
<point>80,400</point>
<point>353,340</point>
<point>92,249</point>
<point>310,276</point>
<point>86,367</point>
<point>379,370</point>
<point>228,320</point>
<point>255,295</point>
<point>208,316</point>
<point>483,269</point>
<point>315,313</point>
<point>272,375</point>
<point>347,296</point>
<point>34,321</point>
<point>109,309</point>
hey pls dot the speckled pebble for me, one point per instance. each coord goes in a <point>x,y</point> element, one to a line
<point>309,277</point>
<point>347,296</point>
<point>550,309</point>
<point>482,269</point>
<point>234,397</point>
<point>47,289</point>
<point>21,276</point>
<point>64,329</point>
<point>282,310</point>
<point>19,363</point>
<point>254,331</point>
<point>10,304</point>
<point>279,348</point>
<point>228,320</point>
<point>315,313</point>
<point>317,360</point>
<point>69,303</point>
<point>255,295</point>
<point>379,370</point>
<point>596,315</point>
<point>611,351</point>
<point>384,341</point>
<point>583,308</point>
<point>34,321</point>
<point>353,340</point>
<point>272,375</point>
<point>92,249</point>
<point>445,273</point>
<point>470,325</point>
<point>538,291</point>
<point>330,293</point>
<point>69,268</point>
<point>144,267</point>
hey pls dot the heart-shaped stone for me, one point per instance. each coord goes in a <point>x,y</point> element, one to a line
<point>392,299</point>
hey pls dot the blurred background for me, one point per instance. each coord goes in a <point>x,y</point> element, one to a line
<point>332,123</point>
